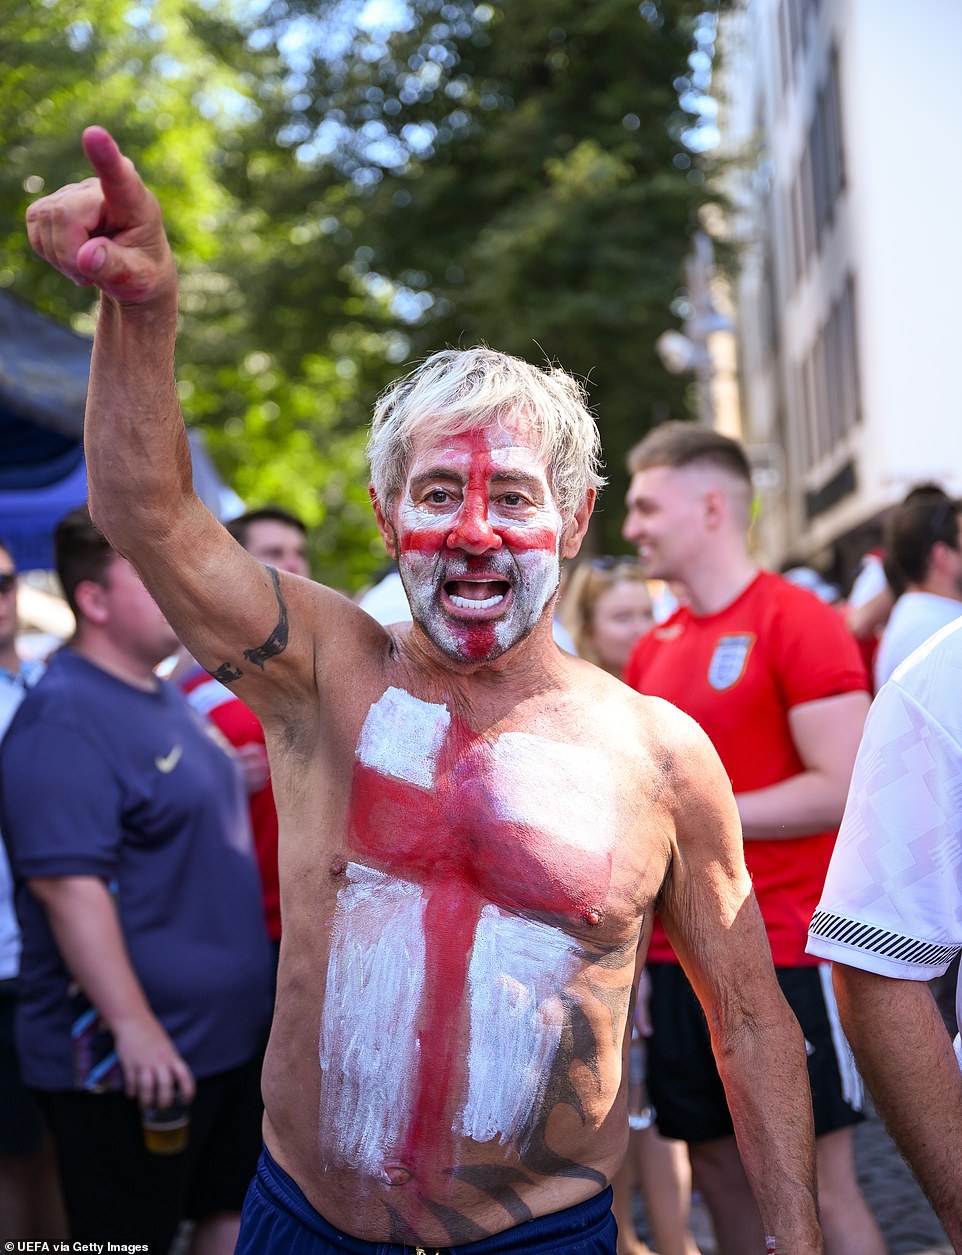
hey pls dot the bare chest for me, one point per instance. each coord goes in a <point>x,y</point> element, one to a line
<point>521,821</point>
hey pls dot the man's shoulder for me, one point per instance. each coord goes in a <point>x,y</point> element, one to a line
<point>932,676</point>
<point>781,598</point>
<point>917,615</point>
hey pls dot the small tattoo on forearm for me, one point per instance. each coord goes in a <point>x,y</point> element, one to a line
<point>276,643</point>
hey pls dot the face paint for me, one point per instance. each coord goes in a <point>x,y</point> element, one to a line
<point>464,835</point>
<point>479,537</point>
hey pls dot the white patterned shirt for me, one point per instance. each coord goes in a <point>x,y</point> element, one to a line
<point>892,902</point>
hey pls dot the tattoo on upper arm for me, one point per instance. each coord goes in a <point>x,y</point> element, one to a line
<point>227,673</point>
<point>275,644</point>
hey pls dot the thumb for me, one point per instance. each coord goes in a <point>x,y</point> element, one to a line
<point>127,274</point>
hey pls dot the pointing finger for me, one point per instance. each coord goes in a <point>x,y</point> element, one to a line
<point>125,197</point>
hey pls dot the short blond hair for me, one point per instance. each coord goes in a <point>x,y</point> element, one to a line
<point>459,390</point>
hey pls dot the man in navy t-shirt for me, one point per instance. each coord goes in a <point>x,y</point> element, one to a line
<point>145,965</point>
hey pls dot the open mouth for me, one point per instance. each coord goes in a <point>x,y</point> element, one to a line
<point>476,594</point>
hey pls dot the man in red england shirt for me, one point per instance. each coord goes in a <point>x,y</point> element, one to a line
<point>279,539</point>
<point>776,681</point>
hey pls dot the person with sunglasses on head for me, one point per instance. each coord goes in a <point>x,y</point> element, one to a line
<point>607,607</point>
<point>923,562</point>
<point>30,1203</point>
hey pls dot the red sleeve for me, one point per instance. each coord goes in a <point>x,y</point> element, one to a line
<point>815,654</point>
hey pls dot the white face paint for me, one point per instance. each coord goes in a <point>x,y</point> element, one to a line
<point>479,536</point>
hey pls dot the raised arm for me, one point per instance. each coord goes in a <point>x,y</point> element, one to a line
<point>713,922</point>
<point>244,623</point>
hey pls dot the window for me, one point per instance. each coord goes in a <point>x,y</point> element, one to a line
<point>828,382</point>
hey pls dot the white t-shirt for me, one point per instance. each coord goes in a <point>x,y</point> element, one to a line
<point>914,618</point>
<point>892,902</point>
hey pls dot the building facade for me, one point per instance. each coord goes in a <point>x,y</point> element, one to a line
<point>841,119</point>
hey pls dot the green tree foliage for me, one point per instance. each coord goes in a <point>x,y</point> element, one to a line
<point>179,86</point>
<point>515,174</point>
<point>343,199</point>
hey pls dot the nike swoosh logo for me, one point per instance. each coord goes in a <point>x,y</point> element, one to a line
<point>168,762</point>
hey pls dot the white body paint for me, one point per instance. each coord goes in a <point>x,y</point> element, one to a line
<point>517,968</point>
<point>368,1044</point>
<point>402,737</point>
<point>566,792</point>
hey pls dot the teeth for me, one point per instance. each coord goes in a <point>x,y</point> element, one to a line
<point>468,603</point>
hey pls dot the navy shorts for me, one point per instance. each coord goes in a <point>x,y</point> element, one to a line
<point>683,1082</point>
<point>278,1220</point>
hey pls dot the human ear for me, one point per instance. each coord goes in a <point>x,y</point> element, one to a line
<point>574,532</point>
<point>91,599</point>
<point>384,524</point>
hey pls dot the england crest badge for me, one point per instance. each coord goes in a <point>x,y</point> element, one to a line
<point>728,662</point>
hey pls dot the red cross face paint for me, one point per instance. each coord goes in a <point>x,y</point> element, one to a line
<point>479,536</point>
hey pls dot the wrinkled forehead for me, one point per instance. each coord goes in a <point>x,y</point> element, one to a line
<point>502,444</point>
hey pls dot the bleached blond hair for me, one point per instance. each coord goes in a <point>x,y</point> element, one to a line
<point>459,390</point>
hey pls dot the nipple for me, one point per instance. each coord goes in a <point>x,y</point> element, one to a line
<point>338,867</point>
<point>592,916</point>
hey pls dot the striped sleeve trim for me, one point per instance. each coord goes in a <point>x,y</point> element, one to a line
<point>878,941</point>
<point>209,695</point>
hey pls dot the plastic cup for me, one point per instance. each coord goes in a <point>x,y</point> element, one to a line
<point>166,1128</point>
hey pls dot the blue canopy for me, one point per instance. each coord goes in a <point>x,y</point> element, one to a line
<point>43,387</point>
<point>43,390</point>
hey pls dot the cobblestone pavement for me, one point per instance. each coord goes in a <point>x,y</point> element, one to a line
<point>907,1221</point>
<point>904,1215</point>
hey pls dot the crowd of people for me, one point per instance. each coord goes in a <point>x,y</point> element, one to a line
<point>503,867</point>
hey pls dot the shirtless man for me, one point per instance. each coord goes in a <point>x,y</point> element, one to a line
<point>474,825</point>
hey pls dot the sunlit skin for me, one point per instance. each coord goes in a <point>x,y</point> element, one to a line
<point>478,534</point>
<point>136,632</point>
<point>456,796</point>
<point>664,518</point>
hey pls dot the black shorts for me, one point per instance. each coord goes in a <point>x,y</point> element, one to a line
<point>118,1191</point>
<point>683,1082</point>
<point>22,1127</point>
